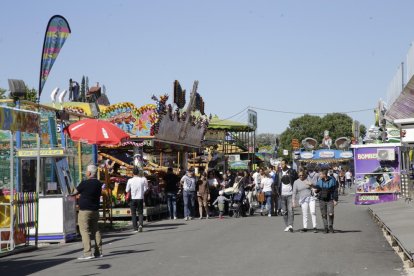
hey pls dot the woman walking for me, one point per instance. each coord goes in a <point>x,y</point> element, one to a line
<point>267,189</point>
<point>307,201</point>
<point>203,194</point>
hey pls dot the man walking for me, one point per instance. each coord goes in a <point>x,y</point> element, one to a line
<point>171,188</point>
<point>137,185</point>
<point>189,187</point>
<point>290,176</point>
<point>328,198</point>
<point>90,193</point>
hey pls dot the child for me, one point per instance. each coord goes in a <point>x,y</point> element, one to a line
<point>221,200</point>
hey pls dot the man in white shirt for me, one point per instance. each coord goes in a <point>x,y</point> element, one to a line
<point>137,185</point>
<point>188,182</point>
<point>348,177</point>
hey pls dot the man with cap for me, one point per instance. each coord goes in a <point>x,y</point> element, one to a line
<point>90,193</point>
<point>188,182</point>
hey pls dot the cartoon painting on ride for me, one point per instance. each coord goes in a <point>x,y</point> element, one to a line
<point>11,119</point>
<point>135,121</point>
<point>169,123</point>
<point>377,174</point>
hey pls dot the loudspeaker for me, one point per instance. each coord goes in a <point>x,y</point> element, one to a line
<point>17,88</point>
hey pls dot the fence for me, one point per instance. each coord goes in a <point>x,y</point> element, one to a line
<point>18,217</point>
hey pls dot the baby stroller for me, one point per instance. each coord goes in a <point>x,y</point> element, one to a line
<point>251,198</point>
<point>239,204</point>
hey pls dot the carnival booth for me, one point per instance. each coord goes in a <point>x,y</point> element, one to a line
<point>18,200</point>
<point>57,166</point>
<point>377,173</point>
<point>161,136</point>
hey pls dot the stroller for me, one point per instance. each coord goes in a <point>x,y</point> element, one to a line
<point>239,204</point>
<point>251,198</point>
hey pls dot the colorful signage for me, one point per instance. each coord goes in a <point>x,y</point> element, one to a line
<point>239,165</point>
<point>326,154</point>
<point>43,153</point>
<point>376,180</point>
<point>19,120</point>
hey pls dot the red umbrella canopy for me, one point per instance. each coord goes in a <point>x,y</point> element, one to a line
<point>96,132</point>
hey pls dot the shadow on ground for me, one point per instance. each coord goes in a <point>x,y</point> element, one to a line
<point>26,267</point>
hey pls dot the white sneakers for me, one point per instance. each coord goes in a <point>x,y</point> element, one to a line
<point>289,228</point>
<point>86,257</point>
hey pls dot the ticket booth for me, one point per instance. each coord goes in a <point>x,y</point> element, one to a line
<point>57,213</point>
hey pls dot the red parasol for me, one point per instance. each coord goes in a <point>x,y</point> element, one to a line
<point>96,132</point>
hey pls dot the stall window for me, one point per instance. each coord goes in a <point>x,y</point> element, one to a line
<point>51,185</point>
<point>28,175</point>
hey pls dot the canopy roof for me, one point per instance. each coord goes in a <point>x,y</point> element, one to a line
<point>403,106</point>
<point>218,124</point>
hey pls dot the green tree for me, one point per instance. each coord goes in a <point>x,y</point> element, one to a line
<point>265,139</point>
<point>3,93</point>
<point>31,95</point>
<point>338,125</point>
<point>83,90</point>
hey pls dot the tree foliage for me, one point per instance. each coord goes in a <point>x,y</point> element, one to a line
<point>265,139</point>
<point>3,93</point>
<point>31,94</point>
<point>338,125</point>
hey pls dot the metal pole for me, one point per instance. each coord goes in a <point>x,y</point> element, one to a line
<point>12,218</point>
<point>37,189</point>
<point>80,161</point>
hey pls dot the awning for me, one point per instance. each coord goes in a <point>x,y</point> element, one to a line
<point>217,123</point>
<point>403,106</point>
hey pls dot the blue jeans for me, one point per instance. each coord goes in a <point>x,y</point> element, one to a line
<point>172,204</point>
<point>268,200</point>
<point>287,208</point>
<point>189,203</point>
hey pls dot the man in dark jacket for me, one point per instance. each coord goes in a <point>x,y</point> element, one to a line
<point>327,189</point>
<point>284,171</point>
<point>171,188</point>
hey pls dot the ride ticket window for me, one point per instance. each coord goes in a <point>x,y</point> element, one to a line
<point>28,170</point>
<point>50,184</point>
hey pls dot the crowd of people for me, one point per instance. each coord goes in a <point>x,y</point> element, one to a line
<point>271,191</point>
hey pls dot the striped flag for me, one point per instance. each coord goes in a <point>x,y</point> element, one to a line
<point>56,33</point>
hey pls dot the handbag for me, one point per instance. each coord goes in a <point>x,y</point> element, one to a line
<point>261,197</point>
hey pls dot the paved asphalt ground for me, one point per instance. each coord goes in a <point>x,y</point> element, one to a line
<point>244,246</point>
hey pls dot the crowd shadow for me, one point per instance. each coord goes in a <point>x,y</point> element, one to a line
<point>26,267</point>
<point>125,252</point>
<point>347,231</point>
<point>162,229</point>
<point>164,225</point>
<point>104,242</point>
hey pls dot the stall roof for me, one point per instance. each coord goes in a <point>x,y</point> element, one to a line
<point>218,124</point>
<point>403,106</point>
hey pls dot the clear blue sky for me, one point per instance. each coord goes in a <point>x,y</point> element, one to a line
<point>301,56</point>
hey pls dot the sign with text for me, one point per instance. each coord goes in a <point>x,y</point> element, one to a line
<point>375,177</point>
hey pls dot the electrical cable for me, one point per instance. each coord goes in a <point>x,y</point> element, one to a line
<point>310,113</point>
